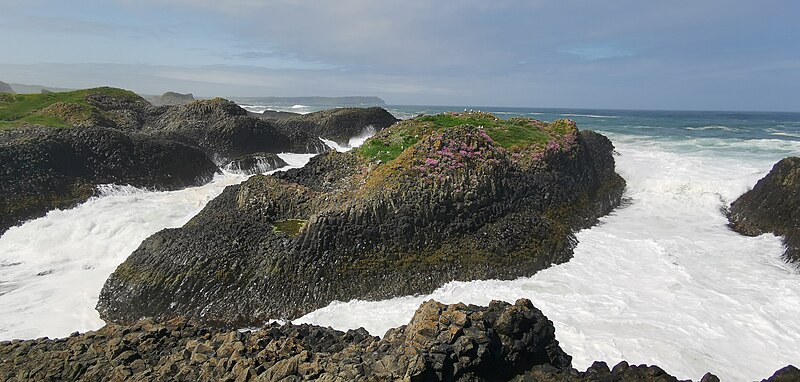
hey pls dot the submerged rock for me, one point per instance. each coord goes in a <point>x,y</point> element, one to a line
<point>458,342</point>
<point>772,206</point>
<point>423,203</point>
<point>257,163</point>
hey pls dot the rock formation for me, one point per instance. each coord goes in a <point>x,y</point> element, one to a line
<point>171,98</point>
<point>773,206</point>
<point>257,163</point>
<point>501,342</point>
<point>123,134</point>
<point>422,203</point>
<point>5,88</point>
<point>44,168</point>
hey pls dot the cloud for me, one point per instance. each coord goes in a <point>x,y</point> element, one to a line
<point>593,52</point>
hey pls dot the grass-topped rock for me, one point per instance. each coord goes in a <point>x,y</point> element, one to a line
<point>55,148</point>
<point>424,202</point>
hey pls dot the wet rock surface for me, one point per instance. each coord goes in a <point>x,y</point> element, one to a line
<point>43,168</point>
<point>344,228</point>
<point>257,163</point>
<point>107,135</point>
<point>772,206</point>
<point>501,342</point>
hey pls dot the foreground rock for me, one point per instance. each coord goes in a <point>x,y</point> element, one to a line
<point>56,148</point>
<point>458,342</point>
<point>772,206</point>
<point>420,204</point>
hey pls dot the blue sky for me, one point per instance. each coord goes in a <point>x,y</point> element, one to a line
<point>696,55</point>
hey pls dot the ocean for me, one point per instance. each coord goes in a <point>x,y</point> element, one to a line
<point>661,280</point>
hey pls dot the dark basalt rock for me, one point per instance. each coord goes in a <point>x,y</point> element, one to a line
<point>773,206</point>
<point>43,168</point>
<point>346,228</point>
<point>786,374</point>
<point>124,128</point>
<point>219,127</point>
<point>273,114</point>
<point>224,130</point>
<point>441,343</point>
<point>501,342</point>
<point>338,125</point>
<point>257,163</point>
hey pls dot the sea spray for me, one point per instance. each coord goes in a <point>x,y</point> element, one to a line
<point>660,281</point>
<point>52,268</point>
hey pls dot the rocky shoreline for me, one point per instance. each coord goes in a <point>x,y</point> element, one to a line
<point>452,204</point>
<point>55,148</point>
<point>772,206</point>
<point>501,342</point>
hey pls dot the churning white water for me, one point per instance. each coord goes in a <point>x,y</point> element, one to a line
<point>660,281</point>
<point>53,268</point>
<point>354,142</point>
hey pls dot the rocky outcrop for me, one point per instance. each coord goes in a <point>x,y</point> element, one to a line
<point>377,222</point>
<point>257,163</point>
<point>44,168</point>
<point>171,98</point>
<point>772,206</point>
<point>338,125</point>
<point>124,133</point>
<point>273,114</point>
<point>224,130</point>
<point>501,342</point>
<point>5,88</point>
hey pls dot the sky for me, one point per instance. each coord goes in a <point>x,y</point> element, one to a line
<point>626,54</point>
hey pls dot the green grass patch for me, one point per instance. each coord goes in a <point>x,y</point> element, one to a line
<point>517,136</point>
<point>508,133</point>
<point>21,109</point>
<point>290,227</point>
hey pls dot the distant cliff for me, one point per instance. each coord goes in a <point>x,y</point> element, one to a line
<point>171,98</point>
<point>315,101</point>
<point>5,88</point>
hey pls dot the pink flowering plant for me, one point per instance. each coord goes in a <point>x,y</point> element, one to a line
<point>455,150</point>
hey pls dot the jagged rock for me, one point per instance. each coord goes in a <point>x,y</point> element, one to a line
<point>43,168</point>
<point>5,88</point>
<point>257,163</point>
<point>217,128</point>
<point>441,342</point>
<point>273,114</point>
<point>786,374</point>
<point>453,205</point>
<point>773,206</point>
<point>338,125</point>
<point>224,130</point>
<point>458,342</point>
